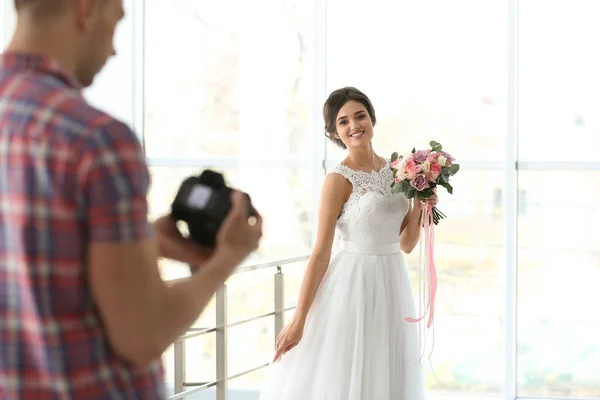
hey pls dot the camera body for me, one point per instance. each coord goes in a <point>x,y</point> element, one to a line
<point>203,202</point>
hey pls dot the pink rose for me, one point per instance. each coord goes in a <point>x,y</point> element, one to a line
<point>435,170</point>
<point>411,170</point>
<point>433,156</point>
<point>420,183</point>
<point>420,156</point>
<point>398,179</point>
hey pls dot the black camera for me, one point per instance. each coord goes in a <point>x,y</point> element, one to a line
<point>203,202</point>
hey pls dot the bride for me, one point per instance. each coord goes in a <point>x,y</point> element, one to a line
<point>348,339</point>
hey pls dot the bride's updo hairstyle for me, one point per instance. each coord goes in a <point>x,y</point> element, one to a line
<point>335,102</point>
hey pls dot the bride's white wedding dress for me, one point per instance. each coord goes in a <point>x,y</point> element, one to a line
<point>356,343</point>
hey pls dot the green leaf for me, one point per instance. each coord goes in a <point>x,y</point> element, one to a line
<point>445,175</point>
<point>413,150</point>
<point>410,193</point>
<point>394,156</point>
<point>454,169</point>
<point>405,185</point>
<point>448,187</point>
<point>435,146</point>
<point>426,193</point>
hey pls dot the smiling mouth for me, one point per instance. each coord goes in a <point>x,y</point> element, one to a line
<point>357,134</point>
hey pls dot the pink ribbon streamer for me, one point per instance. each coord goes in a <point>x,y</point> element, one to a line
<point>427,221</point>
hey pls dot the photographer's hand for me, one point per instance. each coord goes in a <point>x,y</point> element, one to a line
<point>239,235</point>
<point>172,245</point>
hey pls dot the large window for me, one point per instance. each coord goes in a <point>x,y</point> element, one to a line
<point>118,74</point>
<point>7,22</point>
<point>436,70</point>
<point>559,84</point>
<point>229,85</point>
<point>559,269</point>
<point>510,87</point>
<point>558,251</point>
<point>234,93</point>
<point>228,79</point>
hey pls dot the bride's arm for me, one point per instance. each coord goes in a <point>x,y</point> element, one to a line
<point>409,230</point>
<point>334,194</point>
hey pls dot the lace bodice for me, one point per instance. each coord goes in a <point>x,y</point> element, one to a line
<point>373,214</point>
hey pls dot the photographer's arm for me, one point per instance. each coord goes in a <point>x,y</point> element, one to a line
<point>143,316</point>
<point>334,194</point>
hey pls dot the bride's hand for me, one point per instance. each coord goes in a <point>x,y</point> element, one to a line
<point>288,339</point>
<point>431,200</point>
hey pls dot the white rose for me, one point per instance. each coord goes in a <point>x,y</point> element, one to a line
<point>442,161</point>
<point>425,167</point>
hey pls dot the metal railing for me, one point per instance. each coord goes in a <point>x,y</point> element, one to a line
<point>183,388</point>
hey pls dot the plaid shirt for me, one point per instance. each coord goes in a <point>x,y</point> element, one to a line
<point>70,175</point>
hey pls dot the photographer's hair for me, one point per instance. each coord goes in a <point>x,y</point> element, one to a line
<point>335,102</point>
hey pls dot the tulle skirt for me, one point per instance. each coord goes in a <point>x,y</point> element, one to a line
<point>356,343</point>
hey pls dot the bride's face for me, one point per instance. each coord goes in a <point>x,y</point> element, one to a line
<point>353,125</point>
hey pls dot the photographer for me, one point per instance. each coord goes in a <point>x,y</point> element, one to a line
<point>84,313</point>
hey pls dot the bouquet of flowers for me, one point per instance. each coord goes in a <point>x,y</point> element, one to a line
<point>417,175</point>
